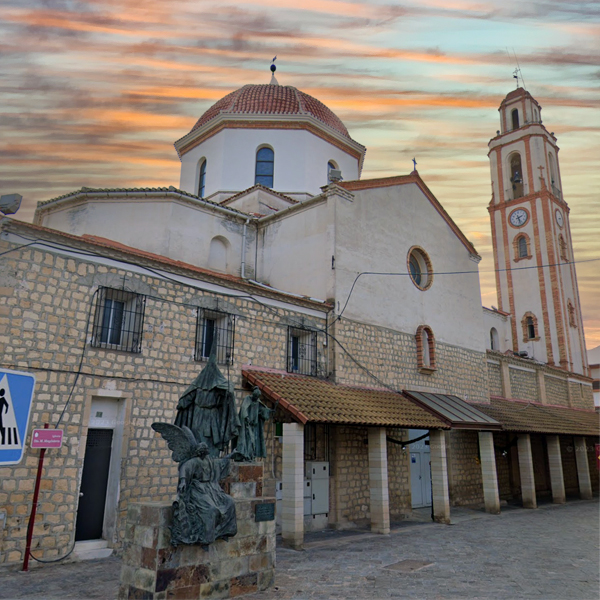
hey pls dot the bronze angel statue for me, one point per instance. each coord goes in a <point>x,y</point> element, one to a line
<point>202,511</point>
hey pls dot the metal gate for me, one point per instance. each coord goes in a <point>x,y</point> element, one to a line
<point>94,480</point>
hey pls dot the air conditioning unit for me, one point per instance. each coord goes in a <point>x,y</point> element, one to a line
<point>335,175</point>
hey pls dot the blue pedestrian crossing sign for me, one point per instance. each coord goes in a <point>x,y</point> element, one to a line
<point>16,395</point>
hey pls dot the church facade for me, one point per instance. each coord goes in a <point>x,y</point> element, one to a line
<point>330,293</point>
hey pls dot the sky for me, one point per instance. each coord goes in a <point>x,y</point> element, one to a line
<point>95,93</point>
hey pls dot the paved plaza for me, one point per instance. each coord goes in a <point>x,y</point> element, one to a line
<point>548,553</point>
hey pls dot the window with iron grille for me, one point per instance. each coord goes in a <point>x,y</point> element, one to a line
<point>302,351</point>
<point>214,327</point>
<point>118,320</point>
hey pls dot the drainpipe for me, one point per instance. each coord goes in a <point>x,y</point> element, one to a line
<point>244,234</point>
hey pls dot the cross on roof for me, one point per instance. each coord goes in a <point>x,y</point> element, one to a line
<point>414,164</point>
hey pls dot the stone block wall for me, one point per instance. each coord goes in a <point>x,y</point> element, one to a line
<point>392,357</point>
<point>155,570</point>
<point>561,387</point>
<point>350,470</point>
<point>399,484</point>
<point>523,384</point>
<point>556,391</point>
<point>494,378</point>
<point>464,468</point>
<point>45,307</point>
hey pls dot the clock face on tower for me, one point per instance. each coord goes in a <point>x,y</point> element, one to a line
<point>559,218</point>
<point>518,217</point>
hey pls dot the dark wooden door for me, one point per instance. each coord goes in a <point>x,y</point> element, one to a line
<point>94,481</point>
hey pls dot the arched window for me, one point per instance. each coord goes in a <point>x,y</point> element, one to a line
<point>425,349</point>
<point>552,168</point>
<point>516,175</point>
<point>202,179</point>
<point>515,118</point>
<point>217,254</point>
<point>529,324</point>
<point>265,160</point>
<point>494,343</point>
<point>535,115</point>
<point>522,246</point>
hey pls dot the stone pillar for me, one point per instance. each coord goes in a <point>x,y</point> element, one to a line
<point>506,391</point>
<point>557,479</point>
<point>378,480</point>
<point>292,478</point>
<point>439,476</point>
<point>541,381</point>
<point>526,471</point>
<point>489,476</point>
<point>583,468</point>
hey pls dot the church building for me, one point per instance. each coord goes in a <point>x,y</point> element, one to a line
<point>334,295</point>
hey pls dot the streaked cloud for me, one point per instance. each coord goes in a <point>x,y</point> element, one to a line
<point>95,92</point>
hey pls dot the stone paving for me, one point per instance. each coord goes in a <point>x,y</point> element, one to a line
<point>549,553</point>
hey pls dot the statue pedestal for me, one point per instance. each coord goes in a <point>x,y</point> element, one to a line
<point>155,570</point>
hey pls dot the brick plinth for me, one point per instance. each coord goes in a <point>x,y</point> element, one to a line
<point>155,570</point>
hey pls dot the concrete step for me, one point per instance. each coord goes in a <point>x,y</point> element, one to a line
<point>91,549</point>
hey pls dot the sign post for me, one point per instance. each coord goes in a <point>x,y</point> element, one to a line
<point>34,504</point>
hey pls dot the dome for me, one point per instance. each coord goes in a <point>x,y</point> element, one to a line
<point>269,99</point>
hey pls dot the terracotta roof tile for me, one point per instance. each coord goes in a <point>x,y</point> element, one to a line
<point>270,99</point>
<point>531,417</point>
<point>310,399</point>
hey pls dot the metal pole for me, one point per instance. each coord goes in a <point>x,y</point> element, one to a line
<point>36,494</point>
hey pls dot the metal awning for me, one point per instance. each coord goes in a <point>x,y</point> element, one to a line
<point>454,411</point>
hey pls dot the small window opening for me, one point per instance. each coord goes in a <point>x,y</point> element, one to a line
<point>494,344</point>
<point>530,328</point>
<point>265,161</point>
<point>202,179</point>
<point>515,118</point>
<point>516,175</point>
<point>523,250</point>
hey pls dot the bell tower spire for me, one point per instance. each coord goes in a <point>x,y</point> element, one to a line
<point>533,253</point>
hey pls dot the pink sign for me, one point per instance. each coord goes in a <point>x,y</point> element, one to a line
<point>46,438</point>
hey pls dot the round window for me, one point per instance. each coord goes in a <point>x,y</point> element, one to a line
<point>419,268</point>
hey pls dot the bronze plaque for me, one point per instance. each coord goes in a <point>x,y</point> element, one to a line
<point>264,512</point>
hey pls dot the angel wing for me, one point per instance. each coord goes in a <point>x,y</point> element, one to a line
<point>181,440</point>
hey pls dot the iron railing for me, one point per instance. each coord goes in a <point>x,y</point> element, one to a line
<point>118,320</point>
<point>302,351</point>
<point>215,327</point>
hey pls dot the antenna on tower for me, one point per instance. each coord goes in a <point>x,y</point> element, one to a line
<point>520,73</point>
<point>517,74</point>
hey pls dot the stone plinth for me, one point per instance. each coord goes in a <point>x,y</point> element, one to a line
<point>155,570</point>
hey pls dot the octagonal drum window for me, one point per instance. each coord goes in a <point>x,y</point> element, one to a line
<point>419,268</point>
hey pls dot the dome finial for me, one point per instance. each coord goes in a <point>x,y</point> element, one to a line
<point>273,69</point>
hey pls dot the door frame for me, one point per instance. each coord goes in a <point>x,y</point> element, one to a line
<point>121,427</point>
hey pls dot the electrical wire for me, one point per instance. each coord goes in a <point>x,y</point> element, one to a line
<point>477,272</point>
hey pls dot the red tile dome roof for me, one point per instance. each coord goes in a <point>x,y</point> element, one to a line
<point>269,99</point>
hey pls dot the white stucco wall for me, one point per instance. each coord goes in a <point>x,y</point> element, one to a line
<point>501,323</point>
<point>300,164</point>
<point>295,250</point>
<point>374,232</point>
<point>166,227</point>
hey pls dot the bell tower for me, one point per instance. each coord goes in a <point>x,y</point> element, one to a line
<point>533,253</point>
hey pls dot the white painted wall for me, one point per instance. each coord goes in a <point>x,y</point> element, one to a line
<point>501,323</point>
<point>166,227</point>
<point>300,161</point>
<point>295,250</point>
<point>374,232</point>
